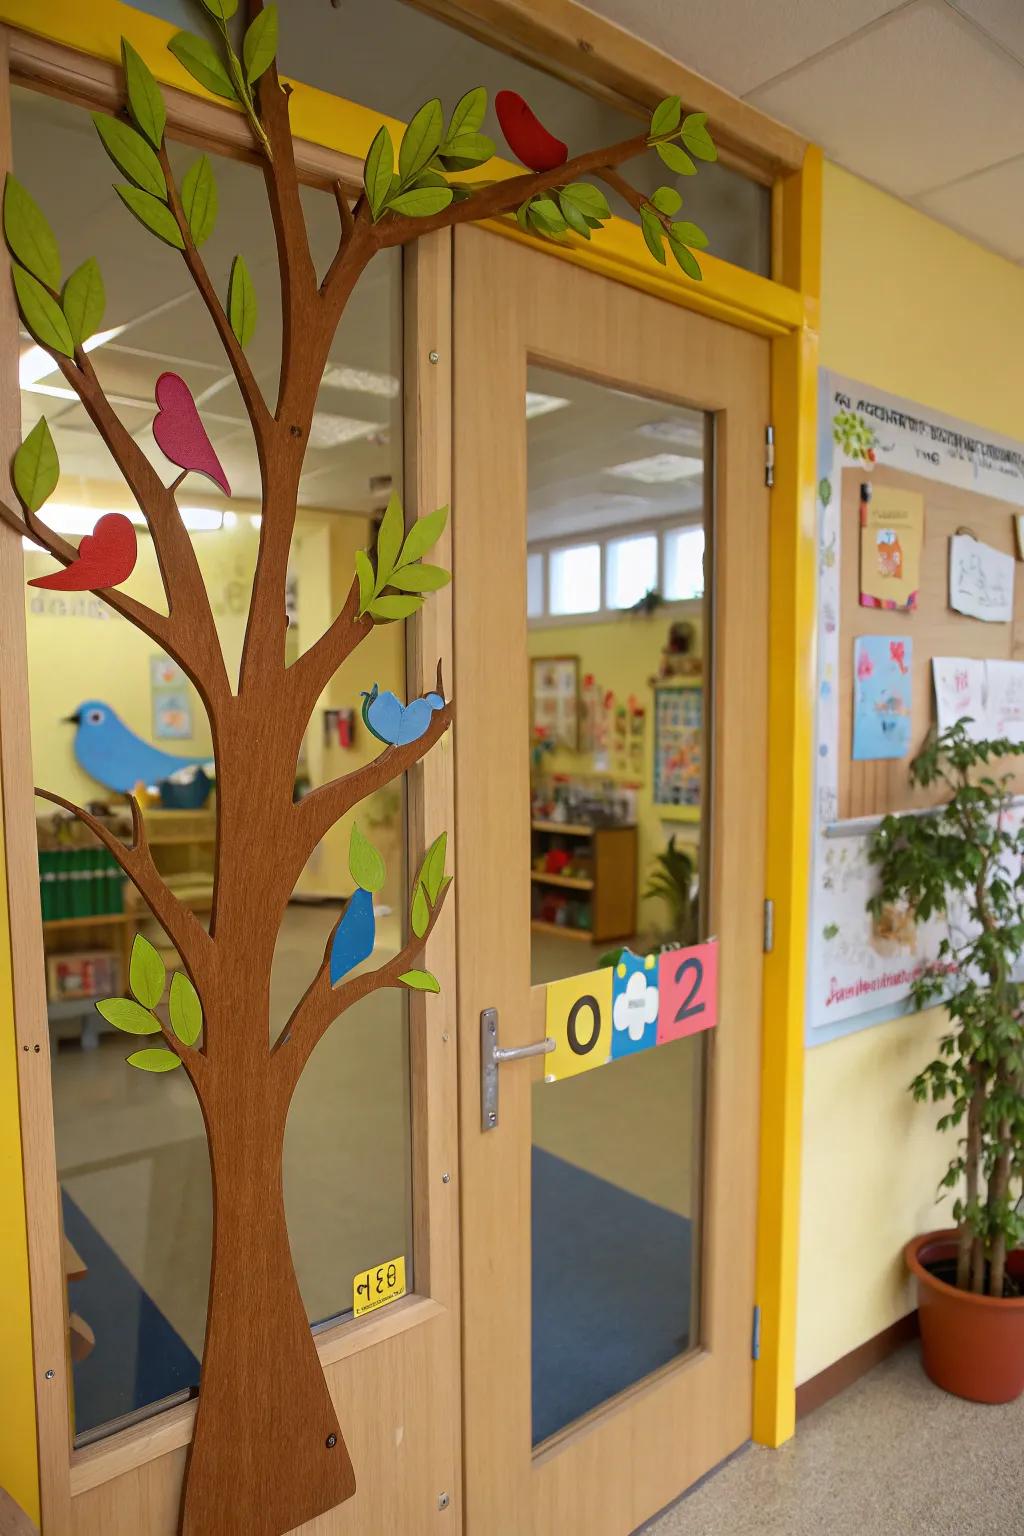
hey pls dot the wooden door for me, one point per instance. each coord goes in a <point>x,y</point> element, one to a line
<point>612,1468</point>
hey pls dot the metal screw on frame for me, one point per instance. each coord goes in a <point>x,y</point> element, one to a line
<point>446,1178</point>
<point>435,357</point>
<point>443,1501</point>
<point>50,1375</point>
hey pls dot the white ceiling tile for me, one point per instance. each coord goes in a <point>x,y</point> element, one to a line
<point>1001,19</point>
<point>917,101</point>
<point>987,206</point>
<point>742,43</point>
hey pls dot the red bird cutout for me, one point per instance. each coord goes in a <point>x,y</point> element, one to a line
<point>180,433</point>
<point>106,557</point>
<point>526,135</point>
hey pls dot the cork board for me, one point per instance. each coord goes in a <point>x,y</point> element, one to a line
<point>874,788</point>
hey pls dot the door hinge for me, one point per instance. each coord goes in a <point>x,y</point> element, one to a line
<point>768,934</point>
<point>755,1336</point>
<point>769,456</point>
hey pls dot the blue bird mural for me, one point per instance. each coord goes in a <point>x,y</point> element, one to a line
<point>112,754</point>
<point>395,723</point>
<point>354,936</point>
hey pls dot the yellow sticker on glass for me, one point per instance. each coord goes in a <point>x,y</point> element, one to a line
<point>376,1287</point>
<point>579,1020</point>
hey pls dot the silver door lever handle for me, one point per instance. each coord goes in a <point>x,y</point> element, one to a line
<point>518,1052</point>
<point>491,1055</point>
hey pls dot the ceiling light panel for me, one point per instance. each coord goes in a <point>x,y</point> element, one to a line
<point>330,431</point>
<point>362,381</point>
<point>658,469</point>
<point>542,405</point>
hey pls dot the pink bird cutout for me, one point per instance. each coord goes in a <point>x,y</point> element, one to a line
<point>180,433</point>
<point>106,557</point>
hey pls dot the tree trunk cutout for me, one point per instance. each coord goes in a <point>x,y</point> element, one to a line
<point>268,1453</point>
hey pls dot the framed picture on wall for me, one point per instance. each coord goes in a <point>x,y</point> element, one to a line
<point>555,700</point>
<point>679,746</point>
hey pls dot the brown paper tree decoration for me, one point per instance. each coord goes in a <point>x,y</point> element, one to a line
<point>268,1452</point>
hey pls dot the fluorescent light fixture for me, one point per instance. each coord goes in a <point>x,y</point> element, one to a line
<point>256,519</point>
<point>673,429</point>
<point>542,405</point>
<point>330,431</point>
<point>230,519</point>
<point>362,381</point>
<point>35,364</point>
<point>77,521</point>
<point>659,469</point>
<point>201,519</point>
<point>55,391</point>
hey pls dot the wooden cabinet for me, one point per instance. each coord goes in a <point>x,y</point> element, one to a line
<point>594,891</point>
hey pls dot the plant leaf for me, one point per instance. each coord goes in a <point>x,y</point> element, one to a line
<point>419,912</point>
<point>667,200</point>
<point>419,578</point>
<point>147,973</point>
<point>29,235</point>
<point>433,867</point>
<point>676,159</point>
<point>131,154</point>
<point>690,234</point>
<point>365,864</point>
<point>420,141</point>
<point>589,200</point>
<point>697,138</point>
<point>423,535</point>
<point>259,47</point>
<point>468,115</point>
<point>126,1014</point>
<point>378,171</point>
<point>390,608</point>
<point>546,216</point>
<point>686,259</point>
<point>200,59</point>
<point>41,313</point>
<point>364,575</point>
<point>665,117</point>
<point>83,301</point>
<point>153,1059</point>
<point>421,981</point>
<point>36,468</point>
<point>145,101</point>
<point>155,215</point>
<point>654,235</point>
<point>199,197</point>
<point>574,217</point>
<point>389,540</point>
<point>185,1009</point>
<point>223,10</point>
<point>242,306</point>
<point>467,151</point>
<point>421,202</point>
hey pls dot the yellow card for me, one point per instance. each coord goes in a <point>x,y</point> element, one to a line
<point>579,1020</point>
<point>376,1287</point>
<point>891,534</point>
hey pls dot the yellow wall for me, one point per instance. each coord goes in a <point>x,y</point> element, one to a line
<point>911,307</point>
<point>624,654</point>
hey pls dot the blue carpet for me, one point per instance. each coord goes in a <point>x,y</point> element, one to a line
<point>139,1358</point>
<point>611,1290</point>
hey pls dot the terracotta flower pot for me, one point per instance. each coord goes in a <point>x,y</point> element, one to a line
<point>972,1346</point>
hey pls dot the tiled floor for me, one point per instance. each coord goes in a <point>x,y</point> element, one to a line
<point>893,1456</point>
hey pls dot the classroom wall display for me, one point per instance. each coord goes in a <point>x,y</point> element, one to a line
<point>679,745</point>
<point>980,580</point>
<point>555,700</point>
<point>172,706</point>
<point>860,970</point>
<point>881,696</point>
<point>891,531</point>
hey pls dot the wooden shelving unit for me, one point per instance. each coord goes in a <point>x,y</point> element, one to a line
<point>606,893</point>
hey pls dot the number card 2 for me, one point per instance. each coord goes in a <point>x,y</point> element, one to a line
<point>376,1287</point>
<point>687,991</point>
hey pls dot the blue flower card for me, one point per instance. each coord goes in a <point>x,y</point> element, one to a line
<point>881,697</point>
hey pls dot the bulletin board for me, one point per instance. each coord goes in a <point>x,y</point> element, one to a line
<point>679,747</point>
<point>860,972</point>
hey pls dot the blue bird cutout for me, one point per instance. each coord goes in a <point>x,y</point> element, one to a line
<point>395,723</point>
<point>112,754</point>
<point>354,935</point>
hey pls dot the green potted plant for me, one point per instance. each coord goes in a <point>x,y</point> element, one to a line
<point>963,862</point>
<point>671,881</point>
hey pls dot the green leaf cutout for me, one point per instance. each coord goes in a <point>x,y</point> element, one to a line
<point>145,101</point>
<point>185,1009</point>
<point>36,467</point>
<point>130,1016</point>
<point>223,10</point>
<point>241,302</point>
<point>423,535</point>
<point>29,235</point>
<point>364,575</point>
<point>686,259</point>
<point>83,301</point>
<point>389,540</point>
<point>155,215</point>
<point>378,171</point>
<point>467,151</point>
<point>131,154</point>
<point>589,200</point>
<point>697,138</point>
<point>41,313</point>
<point>654,234</point>
<point>667,200</point>
<point>420,981</point>
<point>429,178</point>
<point>576,220</point>
<point>420,141</point>
<point>419,578</point>
<point>365,864</point>
<point>200,59</point>
<point>665,117</point>
<point>199,199</point>
<point>147,973</point>
<point>690,234</point>
<point>419,913</point>
<point>468,115</point>
<point>546,215</point>
<point>259,47</point>
<point>154,1060</point>
<point>421,202</point>
<point>676,159</point>
<point>432,873</point>
<point>388,609</point>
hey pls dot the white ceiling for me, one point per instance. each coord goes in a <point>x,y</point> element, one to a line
<point>925,98</point>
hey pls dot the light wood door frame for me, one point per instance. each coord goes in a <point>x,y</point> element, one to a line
<point>611,1472</point>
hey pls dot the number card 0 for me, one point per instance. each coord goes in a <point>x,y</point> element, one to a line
<point>579,1020</point>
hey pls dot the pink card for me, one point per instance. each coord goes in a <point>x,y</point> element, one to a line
<point>687,991</point>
